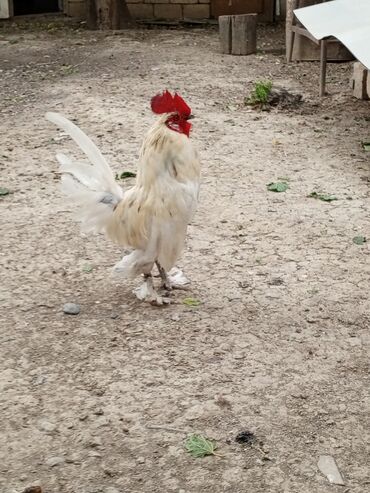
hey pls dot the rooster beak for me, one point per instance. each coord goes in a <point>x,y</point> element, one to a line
<point>190,117</point>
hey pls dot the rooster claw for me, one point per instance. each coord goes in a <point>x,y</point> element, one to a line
<point>160,301</point>
<point>147,293</point>
<point>175,279</point>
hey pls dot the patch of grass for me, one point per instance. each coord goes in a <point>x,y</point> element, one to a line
<point>260,93</point>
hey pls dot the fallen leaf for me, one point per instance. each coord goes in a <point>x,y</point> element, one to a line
<point>359,240</point>
<point>325,197</point>
<point>199,446</point>
<point>279,186</point>
<point>87,268</point>
<point>124,175</point>
<point>4,191</point>
<point>191,302</point>
<point>366,146</point>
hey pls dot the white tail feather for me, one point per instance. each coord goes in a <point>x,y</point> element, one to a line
<point>92,186</point>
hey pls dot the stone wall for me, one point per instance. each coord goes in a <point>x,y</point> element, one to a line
<point>152,9</point>
<point>169,9</point>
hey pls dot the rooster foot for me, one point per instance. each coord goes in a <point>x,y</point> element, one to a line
<point>175,279</point>
<point>146,292</point>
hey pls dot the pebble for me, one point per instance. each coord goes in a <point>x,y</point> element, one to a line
<point>45,425</point>
<point>94,453</point>
<point>110,489</point>
<point>55,461</point>
<point>71,309</point>
<point>95,442</point>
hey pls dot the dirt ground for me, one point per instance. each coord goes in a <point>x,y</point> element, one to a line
<point>280,343</point>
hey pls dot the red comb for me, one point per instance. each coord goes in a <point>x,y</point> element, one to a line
<point>166,103</point>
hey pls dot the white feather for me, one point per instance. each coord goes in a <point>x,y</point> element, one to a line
<point>89,148</point>
<point>87,184</point>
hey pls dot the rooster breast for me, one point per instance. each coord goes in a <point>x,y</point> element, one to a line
<point>153,216</point>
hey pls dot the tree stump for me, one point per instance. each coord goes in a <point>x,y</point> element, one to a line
<point>238,34</point>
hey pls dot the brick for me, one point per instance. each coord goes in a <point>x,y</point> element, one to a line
<point>198,11</point>
<point>183,2</point>
<point>169,11</point>
<point>141,11</point>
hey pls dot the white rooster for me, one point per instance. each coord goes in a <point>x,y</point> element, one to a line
<point>151,218</point>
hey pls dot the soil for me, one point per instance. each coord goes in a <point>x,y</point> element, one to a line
<point>102,401</point>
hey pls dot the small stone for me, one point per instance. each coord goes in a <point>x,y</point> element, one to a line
<point>140,460</point>
<point>94,453</point>
<point>73,459</point>
<point>71,309</point>
<point>55,461</point>
<point>95,442</point>
<point>111,489</point>
<point>40,380</point>
<point>45,425</point>
<point>329,468</point>
<point>99,412</point>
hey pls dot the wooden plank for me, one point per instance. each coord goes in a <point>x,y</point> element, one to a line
<point>323,59</point>
<point>243,34</point>
<point>6,9</point>
<point>224,23</point>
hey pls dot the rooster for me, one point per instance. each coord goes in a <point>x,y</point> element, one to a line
<point>151,218</point>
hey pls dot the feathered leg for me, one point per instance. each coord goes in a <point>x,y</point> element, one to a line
<point>146,292</point>
<point>175,279</point>
<point>166,284</point>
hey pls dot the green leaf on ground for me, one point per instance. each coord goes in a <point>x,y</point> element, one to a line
<point>87,268</point>
<point>124,175</point>
<point>4,191</point>
<point>191,302</point>
<point>366,146</point>
<point>325,197</point>
<point>359,240</point>
<point>199,446</point>
<point>279,186</point>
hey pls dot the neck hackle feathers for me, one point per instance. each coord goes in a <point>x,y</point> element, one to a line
<point>178,111</point>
